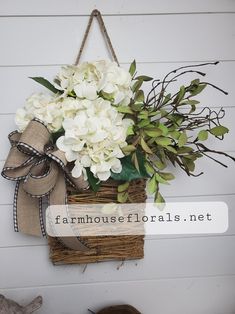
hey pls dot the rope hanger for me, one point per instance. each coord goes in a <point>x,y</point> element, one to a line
<point>95,13</point>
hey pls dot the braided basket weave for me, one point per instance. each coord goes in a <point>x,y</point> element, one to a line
<point>102,248</point>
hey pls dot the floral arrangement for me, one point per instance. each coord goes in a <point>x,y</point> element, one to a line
<point>98,115</point>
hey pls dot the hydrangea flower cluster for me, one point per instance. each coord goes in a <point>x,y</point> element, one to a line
<point>45,107</point>
<point>85,108</point>
<point>94,138</point>
<point>98,79</point>
<point>95,106</point>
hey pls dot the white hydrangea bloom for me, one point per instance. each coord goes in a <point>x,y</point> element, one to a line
<point>116,82</point>
<point>94,138</point>
<point>65,77</point>
<point>44,107</point>
<point>97,79</point>
<point>95,131</point>
<point>69,107</point>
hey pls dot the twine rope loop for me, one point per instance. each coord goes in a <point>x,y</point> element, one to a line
<point>95,13</point>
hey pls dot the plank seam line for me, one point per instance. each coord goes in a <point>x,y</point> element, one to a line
<point>126,63</point>
<point>117,14</point>
<point>155,239</point>
<point>120,281</point>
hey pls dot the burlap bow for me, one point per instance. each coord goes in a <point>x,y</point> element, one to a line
<point>40,171</point>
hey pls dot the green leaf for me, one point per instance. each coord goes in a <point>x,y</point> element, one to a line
<point>130,130</point>
<point>163,128</point>
<point>135,161</point>
<point>153,132</point>
<point>124,109</point>
<point>182,139</point>
<point>219,130</point>
<point>143,115</point>
<point>193,108</point>
<point>189,164</point>
<point>159,199</point>
<point>184,150</point>
<point>197,90</point>
<point>143,123</point>
<point>144,78</point>
<point>195,82</point>
<point>129,172</point>
<point>106,96</point>
<point>145,146</point>
<point>72,94</point>
<point>163,141</point>
<point>141,161</point>
<point>122,197</point>
<point>164,113</point>
<point>123,187</point>
<point>144,112</point>
<point>159,164</point>
<point>166,99</point>
<point>193,102</point>
<point>136,107</point>
<point>167,176</point>
<point>149,168</point>
<point>160,179</point>
<point>177,119</point>
<point>152,185</point>
<point>180,94</point>
<point>47,84</point>
<point>132,68</point>
<point>139,96</point>
<point>171,149</point>
<point>93,182</point>
<point>128,148</point>
<point>175,134</point>
<point>154,113</point>
<point>202,135</point>
<point>192,156</point>
<point>162,155</point>
<point>136,86</point>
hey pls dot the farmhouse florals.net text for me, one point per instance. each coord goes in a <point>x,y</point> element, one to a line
<point>96,128</point>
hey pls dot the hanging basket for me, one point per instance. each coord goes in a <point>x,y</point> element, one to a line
<point>154,131</point>
<point>102,248</point>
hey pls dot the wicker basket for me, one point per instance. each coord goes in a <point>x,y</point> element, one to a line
<point>102,248</point>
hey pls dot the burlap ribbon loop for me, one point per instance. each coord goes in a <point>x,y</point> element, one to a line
<point>40,170</point>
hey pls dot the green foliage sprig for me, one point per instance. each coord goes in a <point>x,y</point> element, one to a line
<point>168,128</point>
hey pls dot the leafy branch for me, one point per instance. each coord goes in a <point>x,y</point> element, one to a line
<point>170,128</point>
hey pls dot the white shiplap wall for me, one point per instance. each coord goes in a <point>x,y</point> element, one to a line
<point>180,274</point>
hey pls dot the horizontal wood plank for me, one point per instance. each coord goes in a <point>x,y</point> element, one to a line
<point>175,43</point>
<point>215,180</point>
<point>174,258</point>
<point>207,295</point>
<point>9,238</point>
<point>17,78</point>
<point>70,7</point>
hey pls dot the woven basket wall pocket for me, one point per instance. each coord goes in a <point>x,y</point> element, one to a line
<point>101,248</point>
